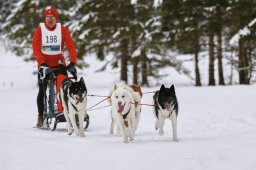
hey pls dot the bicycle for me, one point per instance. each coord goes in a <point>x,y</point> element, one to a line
<point>51,115</point>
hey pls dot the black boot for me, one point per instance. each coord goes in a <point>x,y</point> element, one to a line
<point>40,121</point>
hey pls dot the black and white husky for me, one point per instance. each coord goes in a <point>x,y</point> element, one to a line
<point>166,106</point>
<point>73,99</point>
<point>123,111</point>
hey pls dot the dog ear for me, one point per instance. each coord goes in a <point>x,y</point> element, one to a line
<point>162,88</point>
<point>82,80</point>
<point>69,84</point>
<point>140,91</point>
<point>115,87</point>
<point>172,89</point>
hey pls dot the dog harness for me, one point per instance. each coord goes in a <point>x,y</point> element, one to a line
<point>126,114</point>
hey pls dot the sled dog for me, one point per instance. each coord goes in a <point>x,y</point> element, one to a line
<point>136,92</point>
<point>166,106</point>
<point>137,95</point>
<point>73,99</point>
<point>123,111</point>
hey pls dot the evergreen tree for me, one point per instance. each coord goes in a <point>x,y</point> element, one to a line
<point>148,29</point>
<point>184,21</point>
<point>5,10</point>
<point>239,18</point>
<point>118,27</point>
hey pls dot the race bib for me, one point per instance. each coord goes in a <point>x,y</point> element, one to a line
<point>51,40</point>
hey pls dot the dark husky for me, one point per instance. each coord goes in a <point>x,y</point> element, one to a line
<point>166,107</point>
<point>73,99</point>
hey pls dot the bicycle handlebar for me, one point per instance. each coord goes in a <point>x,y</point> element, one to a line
<point>58,71</point>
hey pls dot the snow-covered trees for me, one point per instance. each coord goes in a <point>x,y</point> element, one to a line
<point>141,33</point>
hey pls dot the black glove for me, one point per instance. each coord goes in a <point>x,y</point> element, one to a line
<point>71,68</point>
<point>62,69</point>
<point>44,70</point>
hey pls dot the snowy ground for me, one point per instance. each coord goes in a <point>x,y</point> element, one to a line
<point>216,129</point>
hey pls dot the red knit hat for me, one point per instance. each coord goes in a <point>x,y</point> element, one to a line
<point>52,11</point>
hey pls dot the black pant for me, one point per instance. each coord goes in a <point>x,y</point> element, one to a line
<point>42,84</point>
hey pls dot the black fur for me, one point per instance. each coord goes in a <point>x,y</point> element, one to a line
<point>155,97</point>
<point>75,88</point>
<point>78,88</point>
<point>165,96</point>
<point>65,85</point>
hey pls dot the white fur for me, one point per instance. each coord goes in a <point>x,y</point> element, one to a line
<point>124,96</point>
<point>160,121</point>
<point>137,98</point>
<point>70,112</point>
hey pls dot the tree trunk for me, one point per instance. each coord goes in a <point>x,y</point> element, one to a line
<point>242,75</point>
<point>220,67</point>
<point>198,79</point>
<point>144,69</point>
<point>231,67</point>
<point>135,62</point>
<point>197,72</point>
<point>124,60</point>
<point>211,59</point>
<point>219,37</point>
<point>246,66</point>
<point>249,63</point>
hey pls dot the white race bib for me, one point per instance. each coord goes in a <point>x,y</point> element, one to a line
<point>51,40</point>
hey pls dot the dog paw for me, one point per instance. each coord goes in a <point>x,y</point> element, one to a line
<point>82,135</point>
<point>77,133</point>
<point>156,126</point>
<point>125,139</point>
<point>161,132</point>
<point>131,138</point>
<point>69,133</point>
<point>175,139</point>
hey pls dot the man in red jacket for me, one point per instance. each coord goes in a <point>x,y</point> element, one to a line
<point>48,44</point>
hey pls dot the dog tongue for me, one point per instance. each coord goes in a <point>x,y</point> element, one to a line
<point>168,107</point>
<point>80,100</point>
<point>121,108</point>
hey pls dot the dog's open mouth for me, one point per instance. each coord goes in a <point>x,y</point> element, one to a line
<point>169,107</point>
<point>79,100</point>
<point>120,108</point>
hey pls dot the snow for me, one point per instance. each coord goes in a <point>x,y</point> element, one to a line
<point>216,128</point>
<point>241,33</point>
<point>157,3</point>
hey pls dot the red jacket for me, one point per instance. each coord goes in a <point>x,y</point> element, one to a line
<point>52,60</point>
